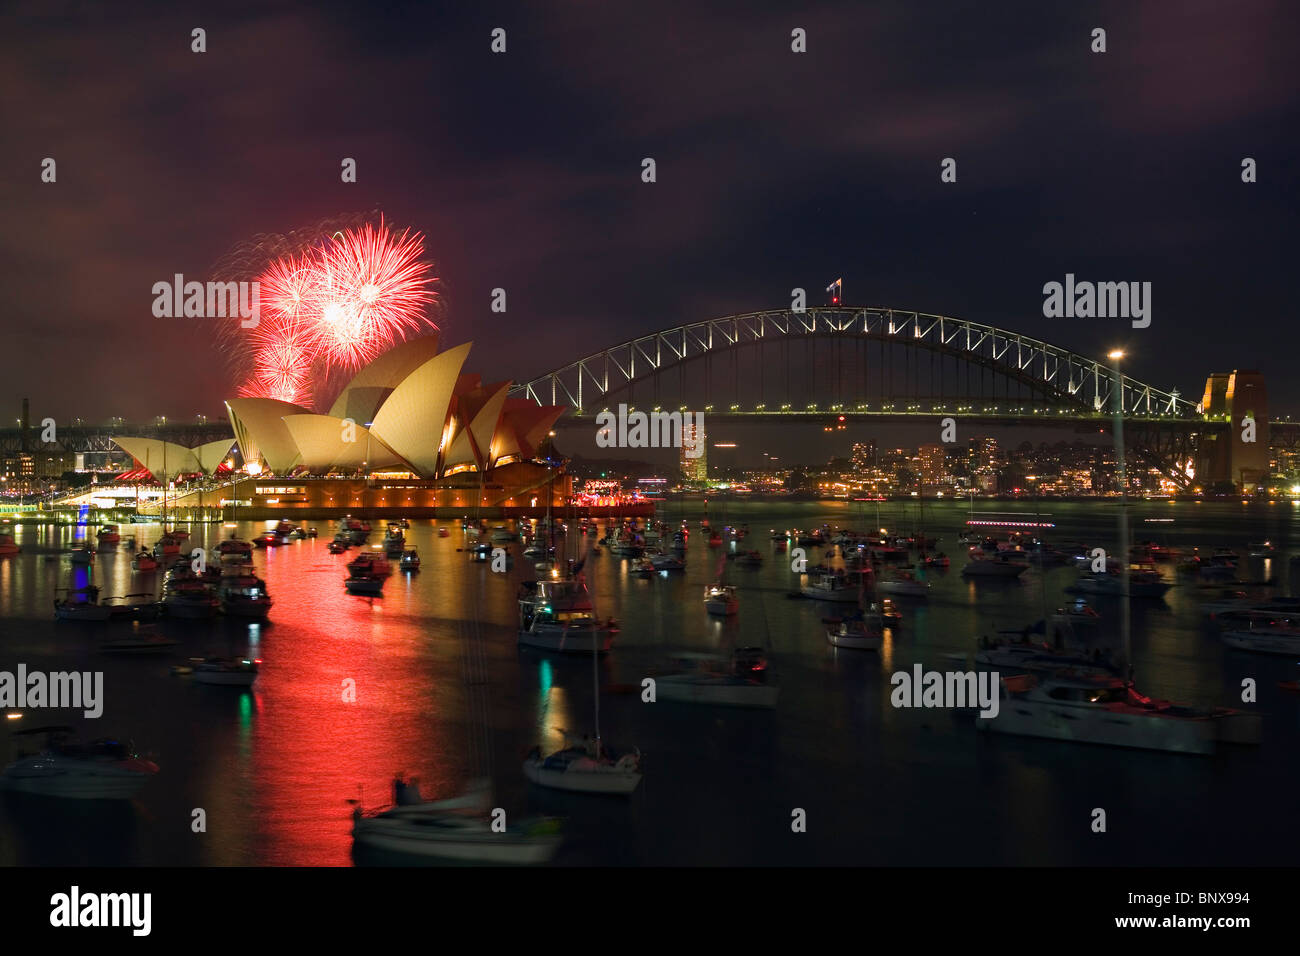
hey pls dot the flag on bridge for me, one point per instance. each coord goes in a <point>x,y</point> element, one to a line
<point>836,292</point>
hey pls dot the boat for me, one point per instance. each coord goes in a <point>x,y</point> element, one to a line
<point>225,672</point>
<point>1024,656</point>
<point>410,560</point>
<point>565,632</point>
<point>720,600</point>
<point>481,552</point>
<point>167,545</point>
<point>143,643</point>
<point>1263,549</point>
<point>444,533</point>
<point>586,766</point>
<point>855,633</point>
<point>144,561</point>
<point>1110,583</point>
<point>999,564</point>
<point>133,607</point>
<point>1264,638</point>
<point>336,547</point>
<point>939,560</point>
<point>244,595</point>
<point>502,535</point>
<point>738,681</point>
<point>82,604</point>
<point>458,829</point>
<point>1104,710</point>
<point>831,586</point>
<point>8,546</point>
<point>372,563</point>
<point>82,555</point>
<point>364,582</point>
<point>667,562</point>
<point>234,550</point>
<point>109,534</point>
<point>104,769</point>
<point>749,559</point>
<point>190,597</point>
<point>903,582</point>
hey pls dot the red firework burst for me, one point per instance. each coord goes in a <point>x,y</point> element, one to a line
<point>370,289</point>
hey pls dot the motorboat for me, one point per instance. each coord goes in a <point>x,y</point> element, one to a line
<point>364,582</point>
<point>564,631</point>
<point>8,546</point>
<point>191,598</point>
<point>144,561</point>
<point>481,552</point>
<point>224,672</point>
<point>133,607</point>
<point>410,560</point>
<point>738,681</point>
<point>167,545</point>
<point>82,604</point>
<point>503,535</point>
<point>1024,656</point>
<point>750,559</point>
<point>998,564</point>
<point>234,550</point>
<point>244,595</point>
<point>83,554</point>
<point>1262,549</point>
<point>855,633</point>
<point>939,560</point>
<point>586,766</point>
<point>457,830</point>
<point>444,533</point>
<point>104,769</point>
<point>1143,583</point>
<point>371,563</point>
<point>1108,710</point>
<point>831,586</point>
<point>141,644</point>
<point>905,583</point>
<point>663,561</point>
<point>109,534</point>
<point>720,600</point>
<point>394,542</point>
<point>336,547</point>
<point>1265,638</point>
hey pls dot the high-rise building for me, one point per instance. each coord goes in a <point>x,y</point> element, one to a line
<point>694,457</point>
<point>864,455</point>
<point>931,465</point>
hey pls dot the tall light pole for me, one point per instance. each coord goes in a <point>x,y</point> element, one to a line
<point>1118,429</point>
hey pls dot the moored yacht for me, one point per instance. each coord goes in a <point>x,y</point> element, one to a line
<point>720,600</point>
<point>738,681</point>
<point>1103,711</point>
<point>903,582</point>
<point>831,586</point>
<point>458,829</point>
<point>1265,637</point>
<point>586,766</point>
<point>104,769</point>
<point>855,633</point>
<point>997,564</point>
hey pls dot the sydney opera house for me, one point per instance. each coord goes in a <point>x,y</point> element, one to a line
<point>412,433</point>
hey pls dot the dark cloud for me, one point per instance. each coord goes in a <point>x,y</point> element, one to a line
<point>775,170</point>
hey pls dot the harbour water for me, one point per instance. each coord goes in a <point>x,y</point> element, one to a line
<point>272,768</point>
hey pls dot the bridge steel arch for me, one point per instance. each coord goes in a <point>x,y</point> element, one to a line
<point>1070,379</point>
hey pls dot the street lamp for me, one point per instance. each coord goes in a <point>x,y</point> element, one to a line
<point>1115,356</point>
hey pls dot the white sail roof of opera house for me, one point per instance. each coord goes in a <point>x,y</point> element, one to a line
<point>361,397</point>
<point>261,432</point>
<point>325,443</point>
<point>164,459</point>
<point>413,420</point>
<point>476,416</point>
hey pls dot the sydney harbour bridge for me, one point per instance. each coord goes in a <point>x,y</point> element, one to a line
<point>869,364</point>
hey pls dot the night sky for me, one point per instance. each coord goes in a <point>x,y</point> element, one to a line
<point>775,170</point>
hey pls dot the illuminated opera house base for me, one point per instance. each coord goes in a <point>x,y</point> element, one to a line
<point>511,491</point>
